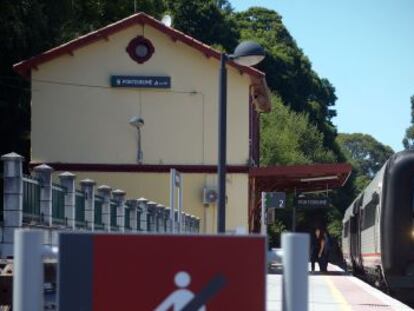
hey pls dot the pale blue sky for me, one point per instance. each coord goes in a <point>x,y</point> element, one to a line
<point>366,49</point>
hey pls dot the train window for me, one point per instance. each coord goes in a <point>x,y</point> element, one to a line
<point>369,216</point>
<point>346,229</point>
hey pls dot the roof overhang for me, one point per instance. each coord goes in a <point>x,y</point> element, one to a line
<point>300,178</point>
<point>24,67</point>
<point>261,93</point>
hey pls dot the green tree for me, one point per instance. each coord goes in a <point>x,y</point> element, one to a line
<point>289,72</point>
<point>209,21</point>
<point>366,154</point>
<point>408,141</point>
<point>288,137</point>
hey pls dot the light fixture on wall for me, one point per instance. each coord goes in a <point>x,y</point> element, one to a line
<point>138,123</point>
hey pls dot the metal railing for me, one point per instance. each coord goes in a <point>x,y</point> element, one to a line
<point>98,213</point>
<point>58,205</point>
<point>127,218</point>
<point>1,198</point>
<point>114,214</point>
<point>31,200</point>
<point>80,221</point>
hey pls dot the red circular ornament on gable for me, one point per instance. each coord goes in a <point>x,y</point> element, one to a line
<point>140,49</point>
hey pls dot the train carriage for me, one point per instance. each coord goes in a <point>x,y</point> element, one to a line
<point>378,227</point>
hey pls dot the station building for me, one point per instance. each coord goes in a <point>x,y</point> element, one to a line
<point>86,91</point>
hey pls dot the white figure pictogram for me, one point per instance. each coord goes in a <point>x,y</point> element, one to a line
<point>179,298</point>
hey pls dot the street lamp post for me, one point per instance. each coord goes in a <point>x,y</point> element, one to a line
<point>247,53</point>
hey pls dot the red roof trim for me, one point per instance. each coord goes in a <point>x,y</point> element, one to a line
<point>289,177</point>
<point>24,67</point>
<point>303,171</point>
<point>144,168</point>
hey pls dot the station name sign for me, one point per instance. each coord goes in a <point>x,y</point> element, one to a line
<point>141,82</point>
<point>312,202</point>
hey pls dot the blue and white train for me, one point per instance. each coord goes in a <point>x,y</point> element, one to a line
<point>378,228</point>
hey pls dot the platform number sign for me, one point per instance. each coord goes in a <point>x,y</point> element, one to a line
<point>275,200</point>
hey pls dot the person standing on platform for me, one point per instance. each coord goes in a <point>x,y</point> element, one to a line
<point>315,246</point>
<point>326,250</point>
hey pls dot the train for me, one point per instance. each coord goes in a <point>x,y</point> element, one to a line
<point>378,228</point>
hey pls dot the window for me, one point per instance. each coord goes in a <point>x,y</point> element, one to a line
<point>369,216</point>
<point>346,229</point>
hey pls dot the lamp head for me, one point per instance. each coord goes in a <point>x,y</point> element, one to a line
<point>248,53</point>
<point>136,122</point>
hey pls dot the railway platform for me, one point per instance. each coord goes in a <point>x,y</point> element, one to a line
<point>334,290</point>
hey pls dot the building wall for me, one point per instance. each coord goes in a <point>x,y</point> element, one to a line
<point>78,118</point>
<point>156,187</point>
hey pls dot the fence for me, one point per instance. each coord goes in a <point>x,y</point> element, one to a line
<point>80,221</point>
<point>31,201</point>
<point>98,213</point>
<point>58,205</point>
<point>52,206</point>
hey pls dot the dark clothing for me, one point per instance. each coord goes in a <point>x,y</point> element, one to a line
<point>316,244</point>
<point>315,247</point>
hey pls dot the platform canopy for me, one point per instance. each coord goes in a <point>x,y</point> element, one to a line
<point>300,178</point>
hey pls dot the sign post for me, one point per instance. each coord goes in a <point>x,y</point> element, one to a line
<point>263,227</point>
<point>270,202</point>
<point>144,280</point>
<point>176,183</point>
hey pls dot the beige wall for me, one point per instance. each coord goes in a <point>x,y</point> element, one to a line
<point>78,118</point>
<point>155,187</point>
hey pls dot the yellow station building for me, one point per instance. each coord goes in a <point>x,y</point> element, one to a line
<point>86,91</point>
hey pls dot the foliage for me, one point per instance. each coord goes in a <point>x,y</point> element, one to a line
<point>364,152</point>
<point>275,231</point>
<point>209,21</point>
<point>408,141</point>
<point>289,72</point>
<point>288,137</point>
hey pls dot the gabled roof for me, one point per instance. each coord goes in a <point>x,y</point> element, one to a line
<point>24,67</point>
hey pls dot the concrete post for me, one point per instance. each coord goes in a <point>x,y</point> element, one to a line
<point>44,175</point>
<point>133,209</point>
<point>88,187</point>
<point>167,215</point>
<point>12,197</point>
<point>105,192</point>
<point>295,271</point>
<point>142,204</point>
<point>67,180</point>
<point>186,223</point>
<point>119,196</point>
<point>28,271</point>
<point>152,216</point>
<point>160,217</point>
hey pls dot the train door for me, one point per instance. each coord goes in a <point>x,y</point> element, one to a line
<point>355,236</point>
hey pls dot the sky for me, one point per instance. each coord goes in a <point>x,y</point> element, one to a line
<point>365,48</point>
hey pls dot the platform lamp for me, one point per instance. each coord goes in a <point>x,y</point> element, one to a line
<point>247,53</point>
<point>138,123</point>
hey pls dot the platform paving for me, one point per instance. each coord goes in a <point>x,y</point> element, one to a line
<point>336,290</point>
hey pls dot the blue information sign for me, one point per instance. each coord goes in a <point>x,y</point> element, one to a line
<point>141,82</point>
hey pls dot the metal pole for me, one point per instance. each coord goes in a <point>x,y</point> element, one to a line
<point>180,205</point>
<point>295,271</point>
<point>139,151</point>
<point>294,212</point>
<point>294,218</point>
<point>172,199</point>
<point>222,133</point>
<point>263,227</point>
<point>28,271</point>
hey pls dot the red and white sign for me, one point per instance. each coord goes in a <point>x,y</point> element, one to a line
<point>176,272</point>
